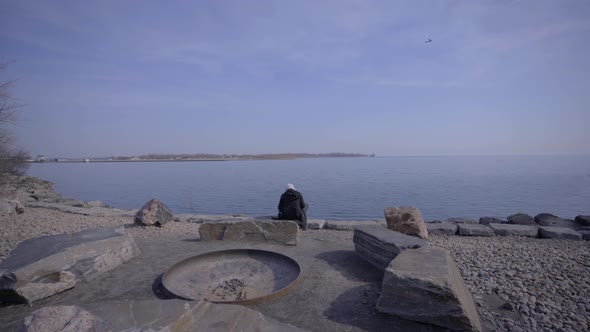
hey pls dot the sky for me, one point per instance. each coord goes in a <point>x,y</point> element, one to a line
<point>114,78</point>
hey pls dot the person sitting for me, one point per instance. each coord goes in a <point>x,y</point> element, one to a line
<point>293,207</point>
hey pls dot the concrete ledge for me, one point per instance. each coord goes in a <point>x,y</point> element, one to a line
<point>474,230</point>
<point>441,228</point>
<point>341,225</point>
<point>548,232</point>
<point>515,230</point>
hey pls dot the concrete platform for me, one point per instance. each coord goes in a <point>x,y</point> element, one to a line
<point>338,290</point>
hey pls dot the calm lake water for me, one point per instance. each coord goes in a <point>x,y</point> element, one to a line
<point>339,188</point>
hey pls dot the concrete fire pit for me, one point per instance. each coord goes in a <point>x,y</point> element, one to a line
<point>243,276</point>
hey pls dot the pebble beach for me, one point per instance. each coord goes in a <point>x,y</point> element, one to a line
<point>518,284</point>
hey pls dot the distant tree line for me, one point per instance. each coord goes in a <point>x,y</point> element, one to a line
<point>13,160</point>
<point>193,156</point>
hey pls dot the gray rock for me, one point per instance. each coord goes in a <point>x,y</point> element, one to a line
<point>41,267</point>
<point>425,285</point>
<point>154,213</point>
<point>407,220</point>
<point>442,228</point>
<point>491,220</point>
<point>10,207</point>
<point>548,232</point>
<point>456,220</point>
<point>520,219</point>
<point>62,319</point>
<point>316,223</point>
<point>585,235</point>
<point>474,230</point>
<point>379,245</point>
<point>346,225</point>
<point>583,220</point>
<point>547,219</point>
<point>280,231</point>
<point>515,230</point>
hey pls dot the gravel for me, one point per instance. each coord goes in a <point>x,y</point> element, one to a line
<point>546,281</point>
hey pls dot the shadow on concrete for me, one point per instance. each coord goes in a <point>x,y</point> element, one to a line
<point>357,307</point>
<point>160,291</point>
<point>351,265</point>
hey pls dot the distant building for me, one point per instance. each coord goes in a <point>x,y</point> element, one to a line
<point>86,160</point>
<point>40,158</point>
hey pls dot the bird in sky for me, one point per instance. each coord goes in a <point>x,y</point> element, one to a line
<point>428,41</point>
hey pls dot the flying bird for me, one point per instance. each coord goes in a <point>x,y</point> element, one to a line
<point>428,41</point>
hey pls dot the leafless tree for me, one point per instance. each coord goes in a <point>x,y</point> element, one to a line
<point>13,160</point>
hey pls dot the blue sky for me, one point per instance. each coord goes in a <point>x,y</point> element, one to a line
<point>102,78</point>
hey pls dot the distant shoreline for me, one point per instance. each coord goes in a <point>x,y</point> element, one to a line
<point>41,159</point>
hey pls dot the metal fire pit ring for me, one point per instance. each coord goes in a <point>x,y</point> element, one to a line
<point>244,276</point>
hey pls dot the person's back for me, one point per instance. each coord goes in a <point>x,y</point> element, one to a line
<point>292,206</point>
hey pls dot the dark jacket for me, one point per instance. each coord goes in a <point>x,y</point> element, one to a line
<point>292,206</point>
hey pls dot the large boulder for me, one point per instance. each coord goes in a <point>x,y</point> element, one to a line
<point>441,228</point>
<point>10,207</point>
<point>515,230</point>
<point>425,285</point>
<point>547,219</point>
<point>154,213</point>
<point>407,220</point>
<point>280,231</point>
<point>41,267</point>
<point>491,220</point>
<point>379,245</point>
<point>585,235</point>
<point>62,319</point>
<point>520,219</point>
<point>548,232</point>
<point>474,230</point>
<point>583,220</point>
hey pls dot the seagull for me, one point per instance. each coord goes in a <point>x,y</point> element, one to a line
<point>428,41</point>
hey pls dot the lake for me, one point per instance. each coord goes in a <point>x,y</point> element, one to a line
<point>339,188</point>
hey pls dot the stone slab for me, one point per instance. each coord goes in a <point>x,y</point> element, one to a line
<point>441,228</point>
<point>40,267</point>
<point>378,245</point>
<point>425,285</point>
<point>515,230</point>
<point>278,231</point>
<point>316,223</point>
<point>548,232</point>
<point>474,230</point>
<point>347,225</point>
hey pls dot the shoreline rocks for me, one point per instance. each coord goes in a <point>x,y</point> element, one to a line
<point>154,213</point>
